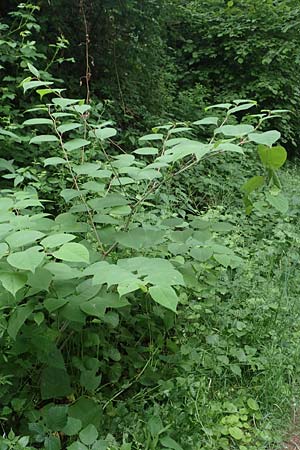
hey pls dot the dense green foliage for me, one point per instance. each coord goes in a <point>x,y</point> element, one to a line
<point>148,282</point>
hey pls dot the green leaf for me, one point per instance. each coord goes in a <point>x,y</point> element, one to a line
<point>56,417</point>
<point>267,138</point>
<point>38,122</point>
<point>235,130</point>
<point>219,105</point>
<point>97,306</point>
<point>229,147</point>
<point>152,137</point>
<point>170,443</point>
<point>77,446</point>
<point>43,138</point>
<point>54,161</point>
<point>10,134</point>
<point>34,84</point>
<point>73,252</point>
<point>86,410</point>
<point>165,296</point>
<point>207,121</point>
<point>13,281</point>
<point>201,254</point>
<point>3,249</point>
<point>23,238</point>
<point>52,443</point>
<point>253,184</point>
<point>55,240</point>
<point>236,433</point>
<point>18,318</point>
<point>29,259</point>
<point>279,202</point>
<point>33,70</point>
<point>88,435</point>
<point>252,404</point>
<point>55,383</point>
<point>146,151</point>
<point>64,102</point>
<point>273,157</point>
<point>72,427</point>
<point>105,133</point>
<point>140,238</point>
<point>52,304</point>
<point>242,107</point>
<point>75,144</point>
<point>68,127</point>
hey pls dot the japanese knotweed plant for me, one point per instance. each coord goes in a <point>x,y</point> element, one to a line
<point>111,251</point>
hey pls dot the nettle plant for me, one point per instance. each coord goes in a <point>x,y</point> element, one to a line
<point>114,250</point>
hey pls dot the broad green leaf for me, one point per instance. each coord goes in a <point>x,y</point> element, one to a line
<point>54,161</point>
<point>10,134</point>
<point>17,319</point>
<point>7,165</point>
<point>164,295</point>
<point>56,240</point>
<point>82,109</point>
<point>62,271</point>
<point>273,157</point>
<point>252,404</point>
<point>234,130</point>
<point>44,138</point>
<point>38,122</point>
<point>229,147</point>
<point>33,70</point>
<point>56,417</point>
<point>87,169</point>
<point>105,133</point>
<point>242,107</point>
<point>13,281</point>
<point>68,127</point>
<point>223,259</point>
<point>75,144</point>
<point>253,184</point>
<point>64,102</point>
<point>219,105</point>
<point>168,442</point>
<point>72,427</point>
<point>236,432</point>
<point>86,410</point>
<point>73,252</point>
<point>23,238</point>
<point>267,138</point>
<point>110,274</point>
<point>156,270</point>
<point>69,194</point>
<point>179,130</point>
<point>29,259</point>
<point>207,121</point>
<point>52,304</point>
<point>3,249</point>
<point>52,442</point>
<point>146,151</point>
<point>40,279</point>
<point>188,148</point>
<point>140,238</point>
<point>201,254</point>
<point>89,434</point>
<point>34,84</point>
<point>152,137</point>
<point>55,383</point>
<point>279,202</point>
<point>77,445</point>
